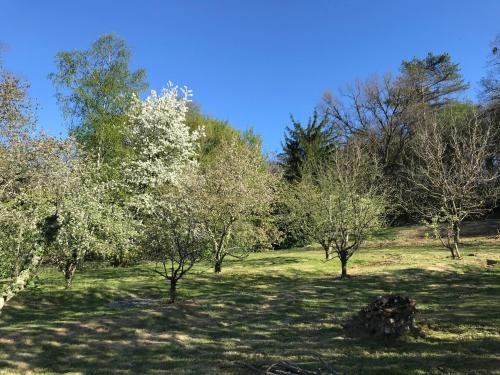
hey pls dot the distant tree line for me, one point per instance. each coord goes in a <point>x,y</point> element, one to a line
<point>434,155</point>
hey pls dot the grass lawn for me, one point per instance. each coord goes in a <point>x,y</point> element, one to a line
<point>282,305</point>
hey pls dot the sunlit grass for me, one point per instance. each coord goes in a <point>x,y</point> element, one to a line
<point>281,305</point>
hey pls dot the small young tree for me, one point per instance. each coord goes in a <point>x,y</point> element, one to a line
<point>237,190</point>
<point>173,235</point>
<point>342,205</point>
<point>448,179</point>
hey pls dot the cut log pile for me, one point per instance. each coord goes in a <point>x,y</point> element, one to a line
<point>389,315</point>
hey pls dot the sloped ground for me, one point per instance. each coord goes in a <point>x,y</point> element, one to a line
<point>283,305</point>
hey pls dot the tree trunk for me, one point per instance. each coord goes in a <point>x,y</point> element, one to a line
<point>343,261</point>
<point>328,252</point>
<point>69,272</point>
<point>456,240</point>
<point>218,266</point>
<point>173,290</point>
<point>32,261</point>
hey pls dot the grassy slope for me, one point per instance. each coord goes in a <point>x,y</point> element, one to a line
<point>269,307</point>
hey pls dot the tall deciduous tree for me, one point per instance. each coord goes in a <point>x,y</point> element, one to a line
<point>448,179</point>
<point>94,88</point>
<point>385,112</point>
<point>214,132</point>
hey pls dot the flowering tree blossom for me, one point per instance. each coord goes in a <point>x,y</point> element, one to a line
<point>28,164</point>
<point>163,145</point>
<point>29,169</point>
<point>88,220</point>
<point>237,191</point>
<point>161,174</point>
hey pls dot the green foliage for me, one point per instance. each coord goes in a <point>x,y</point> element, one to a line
<point>89,222</point>
<point>432,80</point>
<point>173,235</point>
<point>94,88</point>
<point>215,132</point>
<point>342,205</point>
<point>237,190</point>
<point>292,223</point>
<point>306,145</point>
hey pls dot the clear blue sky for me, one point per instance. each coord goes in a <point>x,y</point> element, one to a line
<point>250,62</point>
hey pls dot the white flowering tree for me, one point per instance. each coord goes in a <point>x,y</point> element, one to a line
<point>161,174</point>
<point>28,168</point>
<point>173,235</point>
<point>164,147</point>
<point>87,219</point>
<point>237,192</point>
<point>29,171</point>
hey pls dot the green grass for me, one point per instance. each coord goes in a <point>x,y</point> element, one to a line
<point>282,305</point>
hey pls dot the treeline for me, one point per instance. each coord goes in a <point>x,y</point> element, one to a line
<point>156,179</point>
<point>432,155</point>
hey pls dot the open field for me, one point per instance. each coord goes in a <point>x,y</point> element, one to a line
<point>281,305</point>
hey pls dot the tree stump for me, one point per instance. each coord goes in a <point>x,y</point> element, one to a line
<point>389,315</point>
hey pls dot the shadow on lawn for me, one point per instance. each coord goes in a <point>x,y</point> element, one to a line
<point>254,318</point>
<point>264,262</point>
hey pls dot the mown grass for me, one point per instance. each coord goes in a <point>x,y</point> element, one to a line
<point>282,305</point>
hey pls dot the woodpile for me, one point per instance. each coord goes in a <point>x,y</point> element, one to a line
<point>389,315</point>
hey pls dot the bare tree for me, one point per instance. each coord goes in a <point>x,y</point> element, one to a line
<point>491,83</point>
<point>385,112</point>
<point>448,180</point>
<point>374,110</point>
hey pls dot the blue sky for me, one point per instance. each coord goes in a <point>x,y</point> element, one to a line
<point>250,62</point>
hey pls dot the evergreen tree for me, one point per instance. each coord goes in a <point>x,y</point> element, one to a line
<point>306,145</point>
<point>432,80</point>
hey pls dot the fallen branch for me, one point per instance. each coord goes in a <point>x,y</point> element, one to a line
<point>288,368</point>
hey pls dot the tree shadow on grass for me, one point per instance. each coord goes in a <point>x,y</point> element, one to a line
<point>256,318</point>
<point>265,262</point>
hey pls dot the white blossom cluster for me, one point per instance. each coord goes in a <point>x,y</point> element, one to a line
<point>164,146</point>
